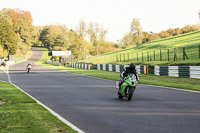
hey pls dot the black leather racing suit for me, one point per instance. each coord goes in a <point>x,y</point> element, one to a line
<point>125,72</point>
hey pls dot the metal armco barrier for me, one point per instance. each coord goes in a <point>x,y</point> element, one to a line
<point>178,71</point>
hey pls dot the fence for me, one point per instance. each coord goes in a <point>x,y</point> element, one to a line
<point>167,54</point>
<point>178,71</point>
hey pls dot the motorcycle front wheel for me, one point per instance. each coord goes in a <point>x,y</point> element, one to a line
<point>130,91</point>
<point>120,95</point>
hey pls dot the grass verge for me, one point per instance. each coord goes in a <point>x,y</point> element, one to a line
<point>21,59</point>
<point>21,114</point>
<point>150,79</point>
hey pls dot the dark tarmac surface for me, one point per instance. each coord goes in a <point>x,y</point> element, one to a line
<point>92,105</point>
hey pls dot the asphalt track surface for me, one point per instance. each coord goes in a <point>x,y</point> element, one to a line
<point>92,105</point>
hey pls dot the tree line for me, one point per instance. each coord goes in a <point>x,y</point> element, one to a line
<point>136,36</point>
<point>86,39</point>
<point>18,34</point>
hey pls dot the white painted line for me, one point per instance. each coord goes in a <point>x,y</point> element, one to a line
<point>9,80</point>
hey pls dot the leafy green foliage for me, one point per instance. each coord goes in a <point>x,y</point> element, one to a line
<point>22,24</point>
<point>53,35</point>
<point>8,38</point>
<point>25,34</point>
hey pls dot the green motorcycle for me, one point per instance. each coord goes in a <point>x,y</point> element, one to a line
<point>128,87</point>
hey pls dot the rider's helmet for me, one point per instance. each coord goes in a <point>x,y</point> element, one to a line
<point>30,63</point>
<point>132,66</point>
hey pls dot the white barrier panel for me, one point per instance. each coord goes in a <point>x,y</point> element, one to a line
<point>89,67</point>
<point>138,69</point>
<point>110,67</point>
<point>157,70</point>
<point>195,72</point>
<point>117,67</point>
<point>86,66</point>
<point>104,66</point>
<point>173,71</point>
<point>98,67</point>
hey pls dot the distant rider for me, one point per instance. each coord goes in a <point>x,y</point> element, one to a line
<point>126,71</point>
<point>30,65</point>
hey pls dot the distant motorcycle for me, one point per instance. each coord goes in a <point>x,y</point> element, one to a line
<point>128,87</point>
<point>28,69</point>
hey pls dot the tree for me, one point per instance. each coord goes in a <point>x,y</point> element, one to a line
<point>3,52</point>
<point>82,29</point>
<point>145,37</point>
<point>164,34</point>
<point>136,31</point>
<point>107,47</point>
<point>127,40</point>
<point>195,28</point>
<point>22,24</point>
<point>184,30</point>
<point>153,36</point>
<point>177,31</point>
<point>171,32</point>
<point>54,35</point>
<point>8,38</point>
<point>36,35</point>
<point>97,34</point>
<point>83,44</point>
<point>74,43</point>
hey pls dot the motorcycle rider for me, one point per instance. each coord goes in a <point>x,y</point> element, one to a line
<point>29,65</point>
<point>126,71</point>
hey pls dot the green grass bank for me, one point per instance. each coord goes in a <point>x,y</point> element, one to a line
<point>158,52</point>
<point>21,114</point>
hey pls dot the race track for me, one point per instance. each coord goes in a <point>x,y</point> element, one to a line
<point>92,104</point>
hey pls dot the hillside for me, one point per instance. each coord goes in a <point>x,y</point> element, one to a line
<point>155,52</point>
